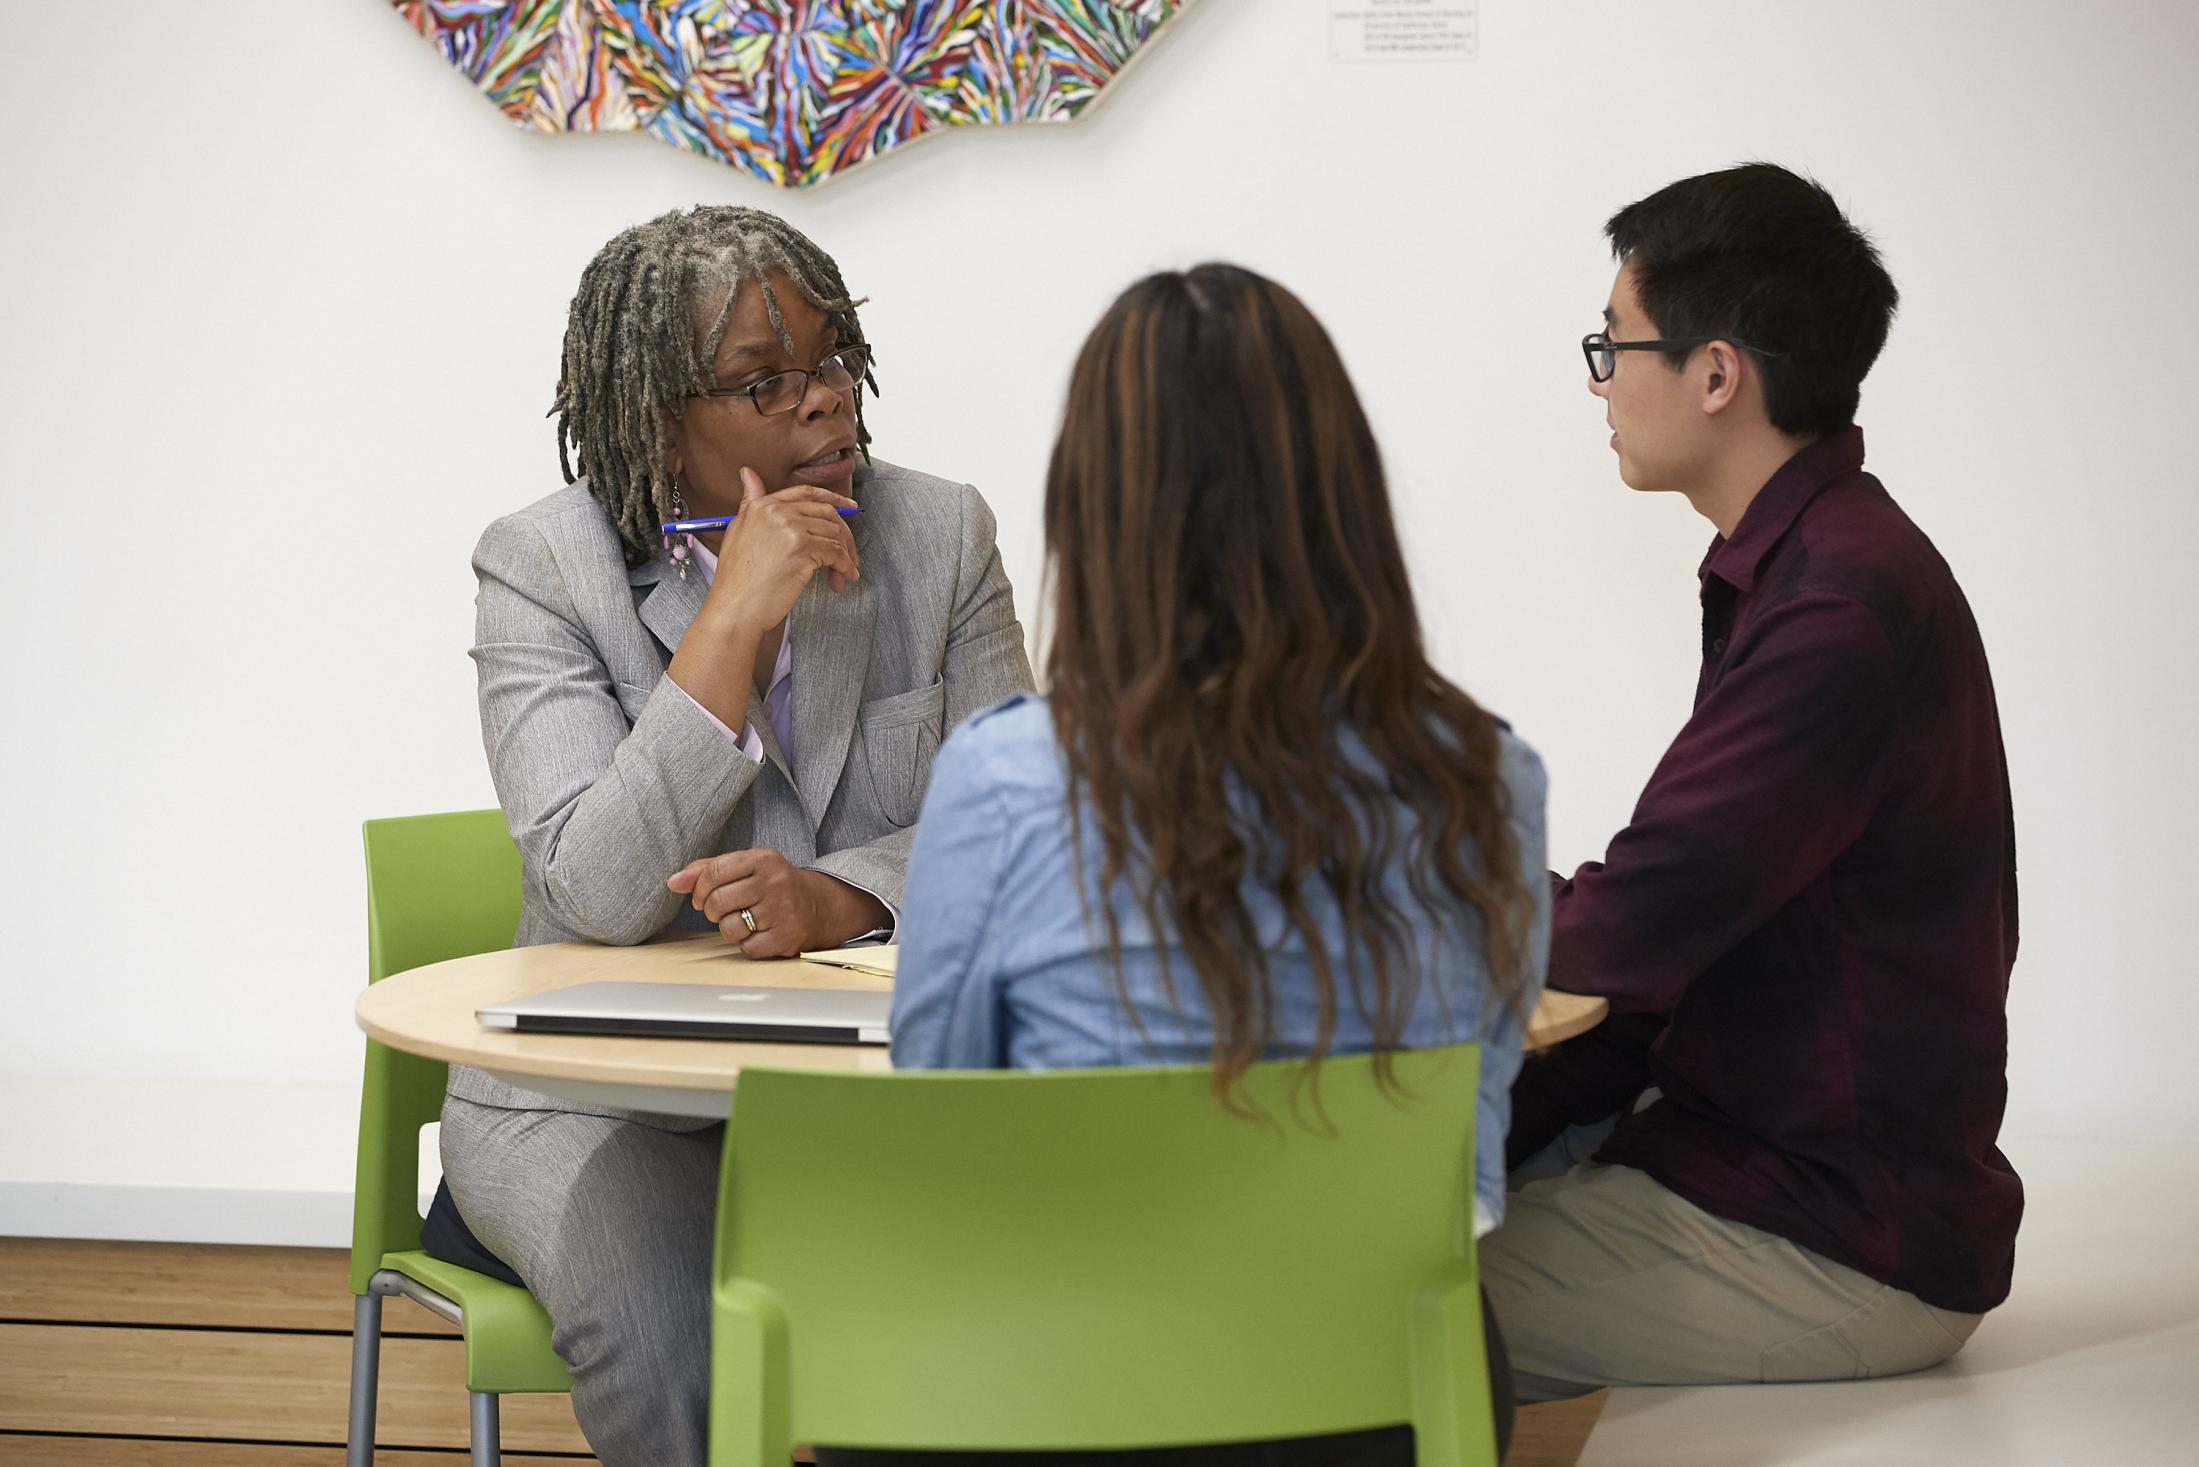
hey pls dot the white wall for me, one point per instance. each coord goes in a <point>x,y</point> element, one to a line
<point>282,299</point>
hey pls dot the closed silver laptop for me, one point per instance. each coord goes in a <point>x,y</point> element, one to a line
<point>699,1011</point>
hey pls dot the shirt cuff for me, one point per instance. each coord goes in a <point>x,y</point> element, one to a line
<point>750,745</point>
<point>888,934</point>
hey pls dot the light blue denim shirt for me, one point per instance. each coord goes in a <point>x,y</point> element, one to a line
<point>998,969</point>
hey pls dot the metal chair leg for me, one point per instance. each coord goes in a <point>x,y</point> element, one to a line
<point>366,1377</point>
<point>481,1413</point>
<point>366,1345</point>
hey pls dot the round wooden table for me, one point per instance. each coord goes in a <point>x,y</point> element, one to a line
<point>430,1011</point>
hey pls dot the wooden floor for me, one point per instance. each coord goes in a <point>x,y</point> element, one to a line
<point>192,1355</point>
<point>1553,1434</point>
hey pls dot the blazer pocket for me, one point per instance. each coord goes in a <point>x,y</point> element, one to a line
<point>900,735</point>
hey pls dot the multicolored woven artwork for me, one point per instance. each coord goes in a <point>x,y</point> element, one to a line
<point>793,91</point>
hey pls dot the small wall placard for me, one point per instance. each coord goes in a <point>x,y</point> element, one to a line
<point>1404,30</point>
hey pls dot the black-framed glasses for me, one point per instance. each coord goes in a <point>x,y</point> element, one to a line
<point>1602,352</point>
<point>782,392</point>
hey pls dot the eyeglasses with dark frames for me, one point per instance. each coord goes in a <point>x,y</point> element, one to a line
<point>1602,352</point>
<point>783,392</point>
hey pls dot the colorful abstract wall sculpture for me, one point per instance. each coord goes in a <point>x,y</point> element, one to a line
<point>793,91</point>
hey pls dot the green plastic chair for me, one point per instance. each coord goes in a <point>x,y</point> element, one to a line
<point>438,886</point>
<point>1097,1259</point>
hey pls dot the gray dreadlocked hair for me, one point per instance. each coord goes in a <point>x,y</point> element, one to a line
<point>643,334</point>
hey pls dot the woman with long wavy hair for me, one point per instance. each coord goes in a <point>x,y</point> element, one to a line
<point>1249,819</point>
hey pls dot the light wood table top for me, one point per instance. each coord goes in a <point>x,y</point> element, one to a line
<point>430,1011</point>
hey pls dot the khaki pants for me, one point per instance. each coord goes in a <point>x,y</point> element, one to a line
<point>1600,1276</point>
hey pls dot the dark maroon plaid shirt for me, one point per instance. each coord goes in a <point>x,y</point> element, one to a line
<point>1807,929</point>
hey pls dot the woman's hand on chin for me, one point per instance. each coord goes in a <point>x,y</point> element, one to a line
<point>778,542</point>
<point>792,911</point>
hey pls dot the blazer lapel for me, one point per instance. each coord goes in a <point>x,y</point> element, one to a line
<point>832,633</point>
<point>670,606</point>
<point>831,665</point>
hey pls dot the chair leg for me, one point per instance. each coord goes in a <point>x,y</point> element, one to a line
<point>366,1376</point>
<point>481,1413</point>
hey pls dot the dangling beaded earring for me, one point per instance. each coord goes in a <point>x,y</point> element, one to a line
<point>678,553</point>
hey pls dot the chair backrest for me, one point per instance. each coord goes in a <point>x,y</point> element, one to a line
<point>1095,1258</point>
<point>438,886</point>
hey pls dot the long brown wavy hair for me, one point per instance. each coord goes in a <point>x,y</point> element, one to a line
<point>1230,609</point>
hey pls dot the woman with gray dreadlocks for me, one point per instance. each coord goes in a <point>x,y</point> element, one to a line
<point>731,730</point>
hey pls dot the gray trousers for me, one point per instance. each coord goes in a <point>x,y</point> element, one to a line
<point>1600,1276</point>
<point>609,1223</point>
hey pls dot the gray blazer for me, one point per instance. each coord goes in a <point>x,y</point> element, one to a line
<point>612,778</point>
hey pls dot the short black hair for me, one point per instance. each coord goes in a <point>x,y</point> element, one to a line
<point>1759,252</point>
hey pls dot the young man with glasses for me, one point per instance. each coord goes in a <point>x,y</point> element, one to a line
<point>1776,1161</point>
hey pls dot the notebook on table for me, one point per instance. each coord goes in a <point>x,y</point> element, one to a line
<point>879,961</point>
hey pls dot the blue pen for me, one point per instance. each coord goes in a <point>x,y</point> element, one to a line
<point>721,521</point>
